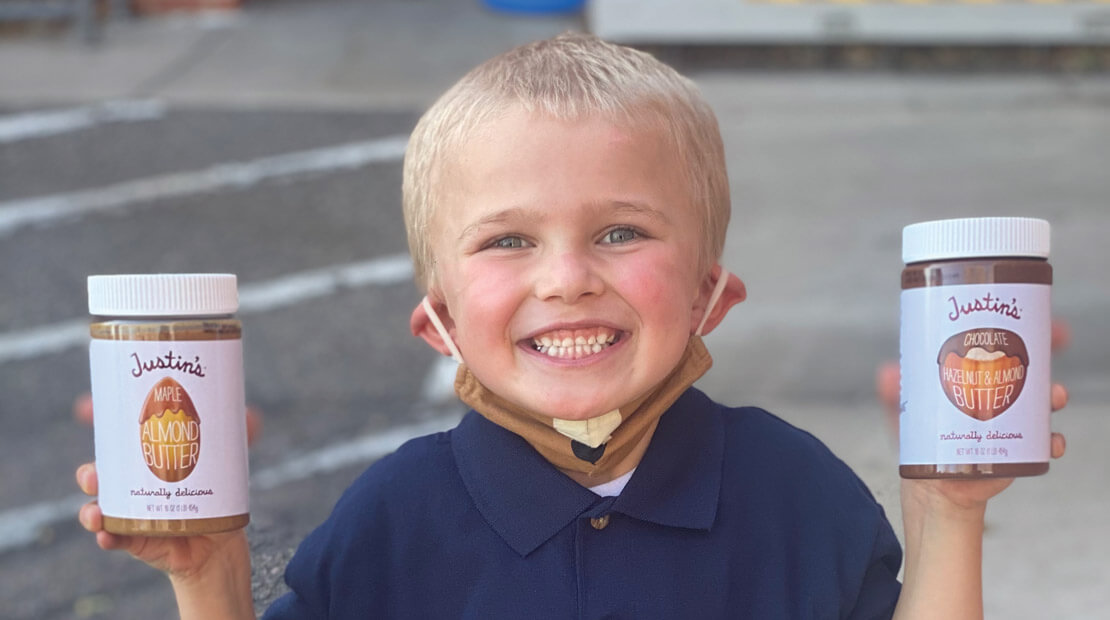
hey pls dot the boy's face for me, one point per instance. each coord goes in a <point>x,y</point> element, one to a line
<point>552,230</point>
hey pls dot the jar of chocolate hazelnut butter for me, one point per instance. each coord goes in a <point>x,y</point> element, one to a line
<point>166,360</point>
<point>975,348</point>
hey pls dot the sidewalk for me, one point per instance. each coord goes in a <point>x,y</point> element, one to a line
<point>338,53</point>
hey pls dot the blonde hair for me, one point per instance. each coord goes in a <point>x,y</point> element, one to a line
<point>568,77</point>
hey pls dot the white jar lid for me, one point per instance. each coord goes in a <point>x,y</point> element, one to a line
<point>975,237</point>
<point>163,294</point>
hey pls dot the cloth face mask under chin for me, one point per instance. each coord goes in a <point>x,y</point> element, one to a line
<point>597,445</point>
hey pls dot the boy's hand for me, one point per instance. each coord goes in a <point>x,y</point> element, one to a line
<point>961,493</point>
<point>178,556</point>
<point>172,560</point>
<point>943,522</point>
<point>973,494</point>
<point>944,519</point>
<point>210,574</point>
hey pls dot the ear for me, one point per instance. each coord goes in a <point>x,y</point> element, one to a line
<point>422,327</point>
<point>733,293</point>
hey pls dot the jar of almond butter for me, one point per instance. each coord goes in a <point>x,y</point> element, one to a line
<point>975,348</point>
<point>166,362</point>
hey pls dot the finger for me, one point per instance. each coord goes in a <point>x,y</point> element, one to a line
<point>1059,445</point>
<point>86,478</point>
<point>90,517</point>
<point>1061,335</point>
<point>1059,397</point>
<point>254,424</point>
<point>83,409</point>
<point>887,386</point>
<point>111,542</point>
<point>888,377</point>
<point>92,520</point>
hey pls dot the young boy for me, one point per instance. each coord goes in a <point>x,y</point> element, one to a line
<point>566,206</point>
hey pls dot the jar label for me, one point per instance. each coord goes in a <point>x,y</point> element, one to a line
<point>170,428</point>
<point>976,375</point>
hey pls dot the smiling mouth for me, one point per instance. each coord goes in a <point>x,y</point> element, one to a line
<point>575,344</point>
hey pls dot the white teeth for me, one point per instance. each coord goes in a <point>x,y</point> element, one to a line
<point>573,348</point>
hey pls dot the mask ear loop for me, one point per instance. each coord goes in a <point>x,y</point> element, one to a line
<point>442,330</point>
<point>718,289</point>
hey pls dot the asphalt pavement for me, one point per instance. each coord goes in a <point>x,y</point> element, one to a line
<point>265,143</point>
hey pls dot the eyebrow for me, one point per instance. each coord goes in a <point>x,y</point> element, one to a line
<point>512,214</point>
<point>635,208</point>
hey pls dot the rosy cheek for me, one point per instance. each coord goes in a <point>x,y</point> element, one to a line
<point>484,281</point>
<point>488,295</point>
<point>647,288</point>
<point>653,283</point>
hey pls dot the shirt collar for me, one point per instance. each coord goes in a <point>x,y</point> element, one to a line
<point>526,500</point>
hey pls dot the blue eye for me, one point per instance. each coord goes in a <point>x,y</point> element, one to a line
<point>620,235</point>
<point>508,243</point>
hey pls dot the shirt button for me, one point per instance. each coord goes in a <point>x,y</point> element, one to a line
<point>599,523</point>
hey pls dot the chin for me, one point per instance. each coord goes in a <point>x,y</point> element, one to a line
<point>574,410</point>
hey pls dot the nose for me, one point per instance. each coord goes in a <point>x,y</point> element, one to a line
<point>568,276</point>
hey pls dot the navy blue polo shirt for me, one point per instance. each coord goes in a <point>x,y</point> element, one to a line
<point>732,513</point>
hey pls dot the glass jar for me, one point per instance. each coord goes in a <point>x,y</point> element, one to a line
<point>166,363</point>
<point>975,349</point>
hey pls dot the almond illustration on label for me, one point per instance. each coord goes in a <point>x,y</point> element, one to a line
<point>982,371</point>
<point>169,429</point>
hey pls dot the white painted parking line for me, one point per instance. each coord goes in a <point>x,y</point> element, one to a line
<point>22,526</point>
<point>46,210</point>
<point>37,341</point>
<point>297,287</point>
<point>262,296</point>
<point>30,125</point>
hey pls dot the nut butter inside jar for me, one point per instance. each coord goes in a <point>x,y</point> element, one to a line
<point>170,429</point>
<point>975,340</point>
